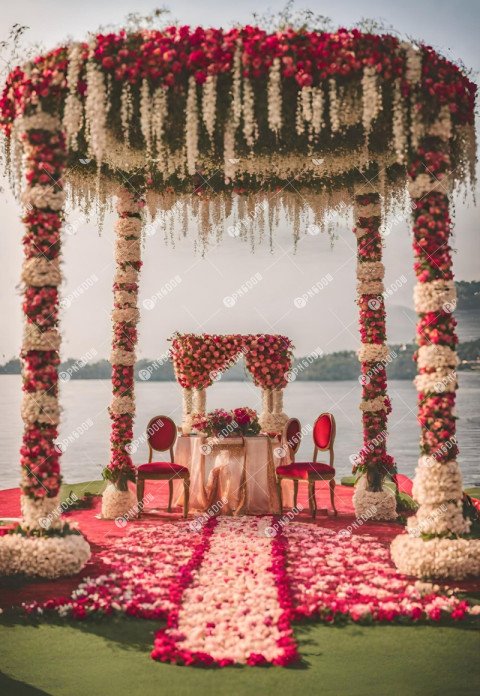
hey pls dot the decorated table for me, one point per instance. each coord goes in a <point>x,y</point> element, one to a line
<point>230,475</point>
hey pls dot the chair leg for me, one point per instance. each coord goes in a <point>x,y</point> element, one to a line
<point>311,499</point>
<point>331,484</point>
<point>186,496</point>
<point>279,494</point>
<point>295,493</point>
<point>170,495</point>
<point>140,492</point>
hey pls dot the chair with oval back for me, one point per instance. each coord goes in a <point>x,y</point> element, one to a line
<point>161,436</point>
<point>324,431</point>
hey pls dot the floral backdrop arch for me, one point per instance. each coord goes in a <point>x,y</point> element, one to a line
<point>304,121</point>
<point>199,359</point>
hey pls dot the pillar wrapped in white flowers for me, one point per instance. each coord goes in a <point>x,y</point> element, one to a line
<point>371,498</point>
<point>43,545</point>
<point>435,544</point>
<point>118,500</point>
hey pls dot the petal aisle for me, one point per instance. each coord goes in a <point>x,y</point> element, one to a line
<point>237,608</point>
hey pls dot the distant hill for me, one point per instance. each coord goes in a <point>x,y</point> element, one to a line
<point>342,365</point>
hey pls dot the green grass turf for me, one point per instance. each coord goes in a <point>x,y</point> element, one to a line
<point>111,658</point>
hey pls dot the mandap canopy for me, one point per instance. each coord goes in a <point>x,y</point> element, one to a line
<point>212,124</point>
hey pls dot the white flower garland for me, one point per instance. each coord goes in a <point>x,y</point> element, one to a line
<point>209,104</point>
<point>128,227</point>
<point>159,117</point>
<point>44,197</point>
<point>274,94</point>
<point>127,250</point>
<point>191,126</point>
<point>249,123</point>
<point>126,111</point>
<point>372,352</point>
<point>376,404</point>
<point>34,339</point>
<point>127,275</point>
<point>146,116</point>
<point>318,106</point>
<point>38,121</point>
<point>370,270</point>
<point>122,357</point>
<point>434,296</point>
<point>334,106</point>
<point>370,287</point>
<point>73,113</point>
<point>437,382</point>
<point>237,85</point>
<point>96,105</point>
<point>436,558</point>
<point>380,505</point>
<point>371,97</point>
<point>122,404</point>
<point>126,314</point>
<point>39,271</point>
<point>438,518</point>
<point>399,123</point>
<point>436,357</point>
<point>436,482</point>
<point>41,408</point>
<point>41,513</point>
<point>45,557</point>
<point>116,503</point>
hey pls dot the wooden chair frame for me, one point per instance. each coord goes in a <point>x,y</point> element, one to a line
<point>144,476</point>
<point>313,476</point>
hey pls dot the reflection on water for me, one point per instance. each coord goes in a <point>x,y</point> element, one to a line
<point>85,422</point>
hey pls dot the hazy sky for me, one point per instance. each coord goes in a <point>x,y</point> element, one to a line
<point>329,320</point>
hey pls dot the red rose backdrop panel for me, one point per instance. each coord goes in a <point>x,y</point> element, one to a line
<point>199,358</point>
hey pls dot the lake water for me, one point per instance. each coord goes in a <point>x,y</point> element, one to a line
<point>85,402</point>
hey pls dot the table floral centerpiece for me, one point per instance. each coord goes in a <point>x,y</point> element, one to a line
<point>221,423</point>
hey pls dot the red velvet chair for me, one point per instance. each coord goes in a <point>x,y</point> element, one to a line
<point>323,437</point>
<point>161,436</point>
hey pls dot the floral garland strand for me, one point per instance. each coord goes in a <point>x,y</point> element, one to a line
<point>373,460</point>
<point>434,545</point>
<point>117,499</point>
<point>43,544</point>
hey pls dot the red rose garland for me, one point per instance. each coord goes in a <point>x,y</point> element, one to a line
<point>198,358</point>
<point>45,163</point>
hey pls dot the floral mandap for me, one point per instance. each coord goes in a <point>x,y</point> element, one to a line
<point>277,123</point>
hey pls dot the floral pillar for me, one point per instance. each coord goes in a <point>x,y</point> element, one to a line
<point>373,460</point>
<point>433,546</point>
<point>187,407</point>
<point>265,417</point>
<point>44,544</point>
<point>117,498</point>
<point>199,400</point>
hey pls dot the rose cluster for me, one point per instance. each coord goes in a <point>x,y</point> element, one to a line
<point>239,421</point>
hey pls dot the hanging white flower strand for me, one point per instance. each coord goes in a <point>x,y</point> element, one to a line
<point>237,85</point>
<point>317,110</point>
<point>275,97</point>
<point>399,123</point>
<point>159,116</point>
<point>249,123</point>
<point>146,116</point>
<point>96,108</point>
<point>73,114</point>
<point>191,127</point>
<point>334,106</point>
<point>371,97</point>
<point>209,104</point>
<point>126,111</point>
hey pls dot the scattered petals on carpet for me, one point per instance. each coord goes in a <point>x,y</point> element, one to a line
<point>230,592</point>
